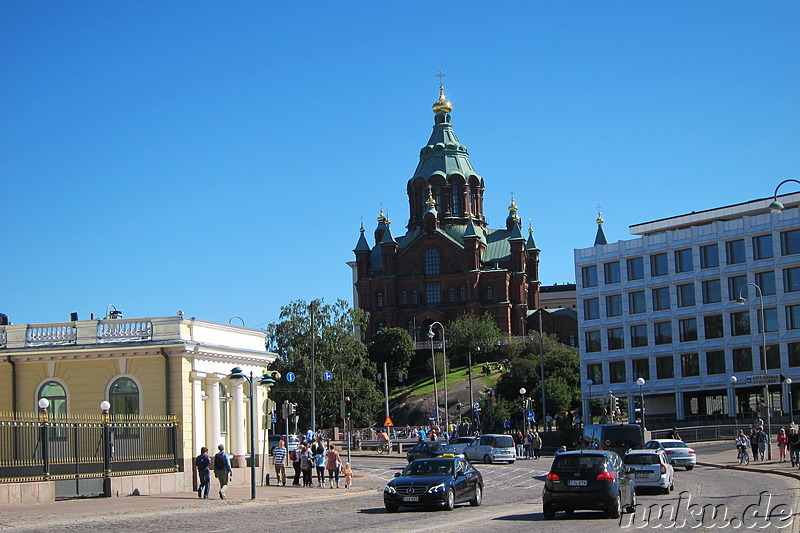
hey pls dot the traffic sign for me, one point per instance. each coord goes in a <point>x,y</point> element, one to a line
<point>476,406</point>
<point>274,417</point>
<point>327,375</point>
<point>290,377</point>
<point>388,422</point>
<point>529,415</point>
<point>763,379</point>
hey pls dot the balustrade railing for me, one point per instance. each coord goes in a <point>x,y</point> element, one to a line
<point>64,333</point>
<point>119,330</point>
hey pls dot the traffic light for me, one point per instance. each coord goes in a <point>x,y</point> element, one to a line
<point>615,403</point>
<point>285,409</point>
<point>348,407</point>
<point>292,408</point>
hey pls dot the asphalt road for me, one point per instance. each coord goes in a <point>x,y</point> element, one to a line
<point>512,502</point>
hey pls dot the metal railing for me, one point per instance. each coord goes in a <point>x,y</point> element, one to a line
<point>702,433</point>
<point>78,452</point>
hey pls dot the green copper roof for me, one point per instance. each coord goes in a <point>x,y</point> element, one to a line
<point>531,244</point>
<point>362,245</point>
<point>444,154</point>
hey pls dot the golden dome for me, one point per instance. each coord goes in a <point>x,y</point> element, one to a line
<point>442,105</point>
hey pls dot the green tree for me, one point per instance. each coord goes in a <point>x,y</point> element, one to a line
<point>471,334</point>
<point>394,347</point>
<point>338,348</point>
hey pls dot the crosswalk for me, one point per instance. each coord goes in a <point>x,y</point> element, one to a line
<point>501,476</point>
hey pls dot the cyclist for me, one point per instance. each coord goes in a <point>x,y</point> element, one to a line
<point>384,444</point>
<point>742,443</point>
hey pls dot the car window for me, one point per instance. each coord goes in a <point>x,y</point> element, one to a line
<point>429,468</point>
<point>652,445</point>
<point>486,441</point>
<point>575,463</point>
<point>642,459</point>
<point>504,441</point>
<point>675,444</point>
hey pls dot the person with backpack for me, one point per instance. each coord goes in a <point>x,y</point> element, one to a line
<point>202,462</point>
<point>294,456</point>
<point>222,470</point>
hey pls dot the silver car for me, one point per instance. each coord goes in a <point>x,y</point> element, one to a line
<point>491,448</point>
<point>459,443</point>
<point>678,452</point>
<point>651,469</point>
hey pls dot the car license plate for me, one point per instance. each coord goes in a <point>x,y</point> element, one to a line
<point>642,474</point>
<point>410,498</point>
<point>576,482</point>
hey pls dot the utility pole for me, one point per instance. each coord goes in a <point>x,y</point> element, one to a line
<point>313,374</point>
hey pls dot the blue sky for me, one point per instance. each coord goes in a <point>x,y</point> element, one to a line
<point>217,158</point>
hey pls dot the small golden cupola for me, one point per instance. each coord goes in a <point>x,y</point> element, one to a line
<point>442,105</point>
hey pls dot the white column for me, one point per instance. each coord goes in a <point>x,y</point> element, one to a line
<point>198,413</point>
<point>237,424</point>
<point>213,437</point>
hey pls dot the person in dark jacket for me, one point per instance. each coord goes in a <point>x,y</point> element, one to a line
<point>202,463</point>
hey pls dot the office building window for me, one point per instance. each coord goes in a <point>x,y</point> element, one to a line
<point>742,360</point>
<point>712,326</point>
<point>591,308</point>
<point>715,362</point>
<point>635,268</point>
<point>641,368</point>
<point>791,279</point>
<point>658,265</point>
<point>593,341</point>
<point>594,372</point>
<point>615,338</point>
<point>734,252</point>
<point>794,353</point>
<point>773,356</point>
<point>661,298</point>
<point>766,280</point>
<point>616,371</point>
<point>686,295</point>
<point>762,247</point>
<point>637,302</point>
<point>611,272</point>
<point>771,317</point>
<point>433,293</point>
<point>614,305</point>
<point>793,316</point>
<point>790,242</point>
<point>663,332</point>
<point>711,291</point>
<point>690,364</point>
<point>589,276</point>
<point>740,323</point>
<point>639,335</point>
<point>737,285</point>
<point>709,256</point>
<point>687,329</point>
<point>665,369</point>
<point>683,260</point>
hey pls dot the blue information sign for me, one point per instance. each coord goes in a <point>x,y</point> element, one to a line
<point>274,418</point>
<point>327,375</point>
<point>529,416</point>
<point>290,376</point>
<point>476,406</point>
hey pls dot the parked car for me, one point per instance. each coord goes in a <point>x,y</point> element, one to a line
<point>440,483</point>
<point>291,444</point>
<point>678,452</point>
<point>459,443</point>
<point>651,469</point>
<point>430,448</point>
<point>491,448</point>
<point>588,480</point>
<point>614,437</point>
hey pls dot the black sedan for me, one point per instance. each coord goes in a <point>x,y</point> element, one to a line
<point>438,483</point>
<point>429,449</point>
<point>591,480</point>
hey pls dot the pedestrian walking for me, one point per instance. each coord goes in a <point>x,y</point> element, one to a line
<point>294,456</point>
<point>319,463</point>
<point>279,462</point>
<point>528,442</point>
<point>202,463</point>
<point>537,446</point>
<point>348,476</point>
<point>306,465</point>
<point>754,443</point>
<point>222,470</point>
<point>332,464</point>
<point>782,440</point>
<point>762,442</point>
<point>793,440</point>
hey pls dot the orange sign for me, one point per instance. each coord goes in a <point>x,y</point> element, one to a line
<point>388,422</point>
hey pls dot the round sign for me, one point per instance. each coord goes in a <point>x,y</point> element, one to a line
<point>476,405</point>
<point>290,376</point>
<point>327,375</point>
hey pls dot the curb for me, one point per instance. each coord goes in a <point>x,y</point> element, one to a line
<point>795,475</point>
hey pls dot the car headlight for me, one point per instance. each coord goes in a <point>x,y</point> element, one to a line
<point>389,490</point>
<point>437,488</point>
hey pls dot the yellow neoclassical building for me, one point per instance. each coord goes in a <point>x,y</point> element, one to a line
<point>142,367</point>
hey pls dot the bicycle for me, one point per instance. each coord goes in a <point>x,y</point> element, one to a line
<point>744,457</point>
<point>384,447</point>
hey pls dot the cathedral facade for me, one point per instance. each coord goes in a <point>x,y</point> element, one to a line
<point>447,262</point>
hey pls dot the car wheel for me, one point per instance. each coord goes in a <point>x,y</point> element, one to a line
<point>671,487</point>
<point>450,500</point>
<point>689,467</point>
<point>665,490</point>
<point>511,462</point>
<point>549,513</point>
<point>476,501</point>
<point>569,512</point>
<point>391,508</point>
<point>487,459</point>
<point>632,507</point>
<point>615,511</point>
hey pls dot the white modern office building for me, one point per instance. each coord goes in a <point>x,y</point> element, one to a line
<point>663,307</point>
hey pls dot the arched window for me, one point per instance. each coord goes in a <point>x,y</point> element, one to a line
<point>456,199</point>
<point>124,397</point>
<point>56,395</point>
<point>431,262</point>
<point>379,300</point>
<point>223,409</point>
<point>437,195</point>
<point>462,294</point>
<point>415,298</point>
<point>489,293</point>
<point>451,292</point>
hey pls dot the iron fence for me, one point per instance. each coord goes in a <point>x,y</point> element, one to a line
<point>79,452</point>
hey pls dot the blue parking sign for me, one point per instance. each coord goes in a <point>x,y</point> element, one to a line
<point>327,375</point>
<point>290,377</point>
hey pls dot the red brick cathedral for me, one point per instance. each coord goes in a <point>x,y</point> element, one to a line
<point>447,262</point>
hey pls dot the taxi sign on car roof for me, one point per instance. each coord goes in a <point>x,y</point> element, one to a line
<point>448,455</point>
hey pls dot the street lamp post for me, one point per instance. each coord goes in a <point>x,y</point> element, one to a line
<point>522,392</point>
<point>776,206</point>
<point>435,387</point>
<point>640,382</point>
<point>589,384</point>
<point>444,356</point>
<point>735,404</point>
<point>767,400</point>
<point>268,381</point>
<point>541,365</point>
<point>788,382</point>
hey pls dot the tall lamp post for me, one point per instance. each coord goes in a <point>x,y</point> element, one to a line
<point>522,392</point>
<point>266,380</point>
<point>640,381</point>
<point>788,382</point>
<point>735,405</point>
<point>776,206</point>
<point>444,356</point>
<point>435,387</point>
<point>742,300</point>
<point>589,384</point>
<point>541,365</point>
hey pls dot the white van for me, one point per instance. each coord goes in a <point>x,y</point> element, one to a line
<point>492,448</point>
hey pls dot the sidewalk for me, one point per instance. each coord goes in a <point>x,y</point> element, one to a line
<point>727,459</point>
